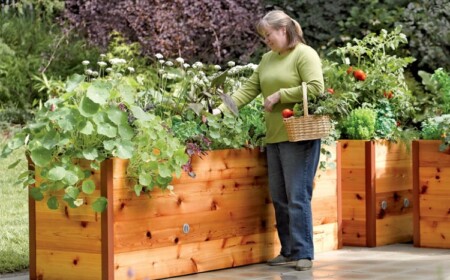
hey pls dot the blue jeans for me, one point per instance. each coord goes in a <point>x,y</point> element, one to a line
<point>292,167</point>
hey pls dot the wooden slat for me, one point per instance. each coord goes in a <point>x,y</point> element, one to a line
<point>431,181</point>
<point>435,232</point>
<point>437,206</point>
<point>196,257</point>
<point>354,232</point>
<point>163,231</point>
<point>434,180</point>
<point>430,156</point>
<point>394,229</point>
<point>54,264</point>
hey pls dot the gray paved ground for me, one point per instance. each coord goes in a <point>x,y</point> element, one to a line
<point>398,261</point>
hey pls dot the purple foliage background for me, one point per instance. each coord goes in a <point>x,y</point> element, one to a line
<point>212,31</point>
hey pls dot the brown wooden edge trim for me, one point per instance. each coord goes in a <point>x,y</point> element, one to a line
<point>32,227</point>
<point>371,240</point>
<point>107,226</point>
<point>416,192</point>
<point>339,192</point>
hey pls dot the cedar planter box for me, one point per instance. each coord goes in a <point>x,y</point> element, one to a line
<point>376,193</point>
<point>431,169</point>
<point>222,218</point>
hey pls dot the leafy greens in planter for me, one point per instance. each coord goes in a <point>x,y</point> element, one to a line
<point>115,112</point>
<point>95,120</point>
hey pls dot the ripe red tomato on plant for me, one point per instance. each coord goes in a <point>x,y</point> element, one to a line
<point>287,113</point>
<point>359,75</point>
<point>350,70</point>
<point>330,90</point>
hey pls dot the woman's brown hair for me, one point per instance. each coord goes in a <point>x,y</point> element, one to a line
<point>278,19</point>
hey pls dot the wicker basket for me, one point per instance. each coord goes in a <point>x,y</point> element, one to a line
<point>308,127</point>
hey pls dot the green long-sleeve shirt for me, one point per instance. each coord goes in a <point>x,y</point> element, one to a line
<point>283,73</point>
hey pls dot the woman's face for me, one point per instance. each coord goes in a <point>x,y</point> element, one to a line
<point>276,39</point>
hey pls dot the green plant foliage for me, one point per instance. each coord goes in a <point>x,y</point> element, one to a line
<point>437,128</point>
<point>94,119</point>
<point>372,75</point>
<point>427,25</point>
<point>29,47</point>
<point>360,124</point>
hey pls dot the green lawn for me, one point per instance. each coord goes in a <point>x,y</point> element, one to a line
<point>13,215</point>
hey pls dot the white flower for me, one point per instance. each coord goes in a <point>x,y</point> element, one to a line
<point>180,60</point>
<point>169,63</point>
<point>109,69</point>
<point>231,63</point>
<point>78,202</point>
<point>217,67</point>
<point>161,61</point>
<point>161,71</point>
<point>118,75</point>
<point>102,55</point>
<point>88,72</point>
<point>198,65</point>
<point>186,65</point>
<point>131,69</point>
<point>95,73</point>
<point>347,61</point>
<point>85,62</point>
<point>101,64</point>
<point>159,56</point>
<point>117,61</point>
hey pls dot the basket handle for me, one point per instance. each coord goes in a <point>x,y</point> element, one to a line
<point>305,99</point>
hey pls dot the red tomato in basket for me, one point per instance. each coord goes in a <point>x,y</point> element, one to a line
<point>287,113</point>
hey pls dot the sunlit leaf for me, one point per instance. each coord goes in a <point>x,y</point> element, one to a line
<point>56,173</point>
<point>53,203</point>
<point>124,149</point>
<point>88,128</point>
<point>88,186</point>
<point>41,156</point>
<point>116,115</point>
<point>100,204</point>
<point>231,105</point>
<point>98,92</point>
<point>107,130</point>
<point>36,194</point>
<point>90,153</point>
<point>73,82</point>
<point>87,107</point>
<point>73,192</point>
<point>139,114</point>
<point>220,79</point>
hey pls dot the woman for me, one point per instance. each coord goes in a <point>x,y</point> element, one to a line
<point>291,165</point>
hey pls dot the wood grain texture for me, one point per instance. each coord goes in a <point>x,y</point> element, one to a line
<point>226,208</point>
<point>431,195</point>
<point>374,172</point>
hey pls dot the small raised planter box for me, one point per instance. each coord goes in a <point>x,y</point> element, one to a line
<point>221,218</point>
<point>376,193</point>
<point>431,169</point>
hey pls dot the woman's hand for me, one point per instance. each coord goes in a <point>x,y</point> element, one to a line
<point>271,100</point>
<point>216,111</point>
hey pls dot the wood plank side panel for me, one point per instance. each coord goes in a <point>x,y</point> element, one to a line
<point>229,217</point>
<point>433,196</point>
<point>393,181</point>
<point>352,183</point>
<point>68,241</point>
